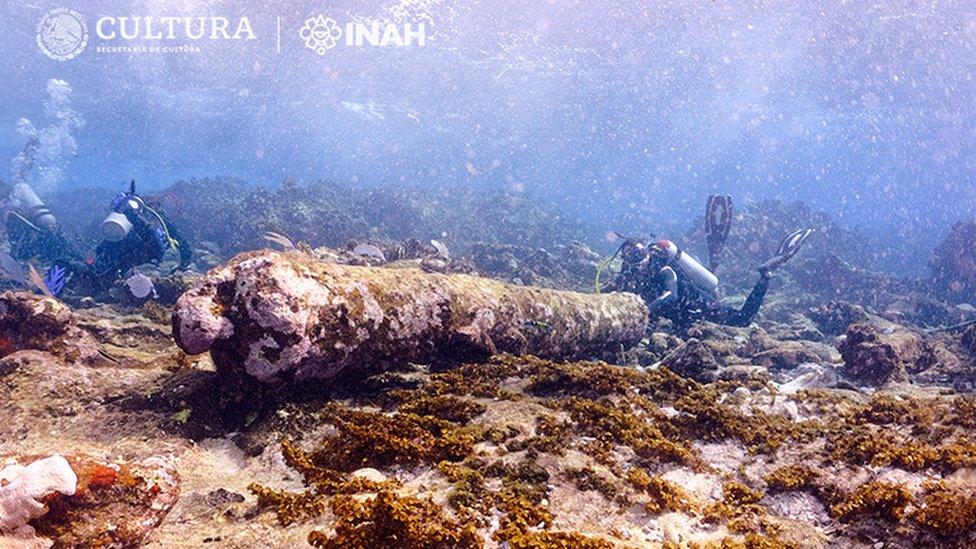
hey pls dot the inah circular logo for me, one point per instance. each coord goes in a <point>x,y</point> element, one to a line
<point>320,33</point>
<point>62,34</point>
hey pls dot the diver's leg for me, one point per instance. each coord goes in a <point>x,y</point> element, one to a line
<point>720,314</point>
<point>744,316</point>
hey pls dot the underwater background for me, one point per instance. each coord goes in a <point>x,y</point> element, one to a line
<point>623,115</point>
<point>284,289</point>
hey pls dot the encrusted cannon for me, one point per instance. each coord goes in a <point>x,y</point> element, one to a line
<point>288,316</point>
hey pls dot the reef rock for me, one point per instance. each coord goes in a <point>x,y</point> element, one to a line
<point>77,501</point>
<point>953,264</point>
<point>29,321</point>
<point>833,318</point>
<point>874,356</point>
<point>694,360</point>
<point>283,316</point>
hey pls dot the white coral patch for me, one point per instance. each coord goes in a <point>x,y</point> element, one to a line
<point>22,489</point>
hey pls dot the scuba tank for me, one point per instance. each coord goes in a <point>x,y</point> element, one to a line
<point>31,208</point>
<point>701,277</point>
<point>116,225</point>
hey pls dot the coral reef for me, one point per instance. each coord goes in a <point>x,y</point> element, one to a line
<point>781,434</point>
<point>28,321</point>
<point>953,264</point>
<point>605,430</point>
<point>512,450</point>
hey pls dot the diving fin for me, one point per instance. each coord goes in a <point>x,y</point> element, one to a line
<point>787,249</point>
<point>718,220</point>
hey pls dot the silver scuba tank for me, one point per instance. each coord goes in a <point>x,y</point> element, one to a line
<point>701,277</point>
<point>116,226</point>
<point>32,207</point>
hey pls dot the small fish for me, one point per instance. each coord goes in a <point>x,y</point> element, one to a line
<point>141,286</point>
<point>38,282</point>
<point>108,357</point>
<point>10,268</point>
<point>472,171</point>
<point>538,325</point>
<point>55,279</point>
<point>441,249</point>
<point>367,111</point>
<point>369,250</point>
<point>281,239</point>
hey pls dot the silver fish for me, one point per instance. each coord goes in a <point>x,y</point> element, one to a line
<point>369,250</point>
<point>281,239</point>
<point>141,286</point>
<point>441,249</point>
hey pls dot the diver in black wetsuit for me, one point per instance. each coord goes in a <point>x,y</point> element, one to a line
<point>31,229</point>
<point>135,233</point>
<point>676,286</point>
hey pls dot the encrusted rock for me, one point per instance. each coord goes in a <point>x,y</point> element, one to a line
<point>833,318</point>
<point>29,321</point>
<point>874,357</point>
<point>693,360</point>
<point>968,340</point>
<point>283,316</point>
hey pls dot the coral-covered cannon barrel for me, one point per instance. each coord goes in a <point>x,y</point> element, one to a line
<point>284,316</point>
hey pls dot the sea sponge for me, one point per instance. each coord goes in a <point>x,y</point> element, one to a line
<point>23,489</point>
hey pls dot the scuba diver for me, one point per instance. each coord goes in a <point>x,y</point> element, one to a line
<point>676,286</point>
<point>32,230</point>
<point>136,232</point>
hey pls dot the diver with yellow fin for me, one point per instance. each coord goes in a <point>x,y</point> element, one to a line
<point>135,233</point>
<point>677,286</point>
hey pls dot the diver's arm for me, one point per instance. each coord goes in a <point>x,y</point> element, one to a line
<point>670,279</point>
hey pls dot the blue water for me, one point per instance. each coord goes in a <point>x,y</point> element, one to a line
<point>625,113</point>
